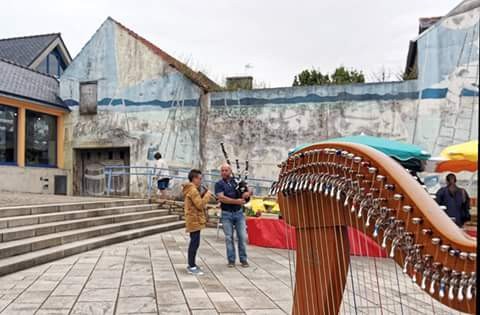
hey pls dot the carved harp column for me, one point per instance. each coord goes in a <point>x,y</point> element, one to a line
<point>326,187</point>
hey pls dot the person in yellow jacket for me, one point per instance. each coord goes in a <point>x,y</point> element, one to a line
<point>196,199</point>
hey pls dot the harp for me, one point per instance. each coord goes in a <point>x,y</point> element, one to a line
<point>324,188</point>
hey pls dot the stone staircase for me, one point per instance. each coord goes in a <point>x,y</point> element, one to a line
<point>33,235</point>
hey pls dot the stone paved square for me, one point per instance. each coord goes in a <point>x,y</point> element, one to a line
<point>148,276</point>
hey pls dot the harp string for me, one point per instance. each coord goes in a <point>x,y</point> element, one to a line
<point>309,285</point>
<point>319,243</point>
<point>301,239</point>
<point>341,259</point>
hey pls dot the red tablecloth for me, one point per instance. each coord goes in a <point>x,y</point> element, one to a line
<point>274,233</point>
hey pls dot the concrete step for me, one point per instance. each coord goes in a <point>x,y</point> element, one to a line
<point>49,208</point>
<point>10,222</point>
<point>22,246</point>
<point>31,259</point>
<point>17,233</point>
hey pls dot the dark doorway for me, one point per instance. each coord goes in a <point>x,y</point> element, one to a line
<point>90,178</point>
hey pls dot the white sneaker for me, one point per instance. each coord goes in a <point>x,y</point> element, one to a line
<point>195,271</point>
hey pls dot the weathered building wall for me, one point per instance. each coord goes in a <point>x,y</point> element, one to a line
<point>143,102</point>
<point>448,55</point>
<point>262,125</point>
<point>35,180</point>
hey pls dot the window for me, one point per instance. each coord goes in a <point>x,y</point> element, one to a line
<point>88,98</point>
<point>43,66</point>
<point>41,139</point>
<point>52,64</point>
<point>8,135</point>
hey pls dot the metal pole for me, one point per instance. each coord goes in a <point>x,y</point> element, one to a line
<point>109,181</point>
<point>149,183</point>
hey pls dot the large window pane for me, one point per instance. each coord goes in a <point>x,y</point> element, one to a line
<point>53,64</point>
<point>8,134</point>
<point>42,67</point>
<point>41,139</point>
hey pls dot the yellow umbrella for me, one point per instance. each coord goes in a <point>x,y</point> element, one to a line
<point>459,157</point>
<point>463,151</point>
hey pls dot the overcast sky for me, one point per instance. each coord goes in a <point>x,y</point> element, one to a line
<point>277,38</point>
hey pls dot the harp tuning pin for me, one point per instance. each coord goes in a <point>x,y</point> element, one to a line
<point>356,159</point>
<point>344,153</point>
<point>454,252</point>
<point>446,270</point>
<point>398,197</point>
<point>365,163</point>
<point>436,265</point>
<point>389,187</point>
<point>463,255</point>
<point>436,240</point>
<point>472,256</point>
<point>417,221</point>
<point>426,232</point>
<point>372,170</point>
<point>418,246</point>
<point>444,248</point>
<point>380,178</point>
<point>406,208</point>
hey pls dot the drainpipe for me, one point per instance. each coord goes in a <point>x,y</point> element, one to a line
<point>204,108</point>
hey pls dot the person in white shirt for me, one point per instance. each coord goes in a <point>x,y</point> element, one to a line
<point>162,175</point>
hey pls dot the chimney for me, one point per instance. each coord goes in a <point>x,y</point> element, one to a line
<point>240,83</point>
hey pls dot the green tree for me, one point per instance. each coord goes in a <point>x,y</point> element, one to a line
<point>341,75</point>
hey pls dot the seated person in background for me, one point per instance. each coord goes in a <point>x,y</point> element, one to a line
<point>455,199</point>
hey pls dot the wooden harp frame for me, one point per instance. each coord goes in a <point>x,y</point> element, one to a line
<point>323,188</point>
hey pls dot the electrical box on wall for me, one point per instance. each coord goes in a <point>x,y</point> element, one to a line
<point>60,183</point>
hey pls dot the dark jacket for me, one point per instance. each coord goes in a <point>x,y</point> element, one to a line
<point>458,204</point>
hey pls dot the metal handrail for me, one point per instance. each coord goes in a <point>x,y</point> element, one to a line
<point>151,171</point>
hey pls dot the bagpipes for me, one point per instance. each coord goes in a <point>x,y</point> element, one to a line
<point>241,184</point>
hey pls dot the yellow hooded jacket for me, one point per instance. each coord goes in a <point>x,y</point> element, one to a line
<point>194,206</point>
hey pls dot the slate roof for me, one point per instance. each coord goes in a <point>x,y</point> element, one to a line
<point>198,78</point>
<point>20,81</point>
<point>25,50</point>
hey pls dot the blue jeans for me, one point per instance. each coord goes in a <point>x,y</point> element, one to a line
<point>230,221</point>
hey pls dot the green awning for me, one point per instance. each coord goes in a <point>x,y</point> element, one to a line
<point>396,149</point>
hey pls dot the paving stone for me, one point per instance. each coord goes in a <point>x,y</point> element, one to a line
<point>258,302</point>
<point>181,309</point>
<point>98,295</point>
<point>103,283</point>
<point>68,290</point>
<point>74,280</point>
<point>53,311</point>
<point>93,308</point>
<point>170,298</point>
<point>265,312</point>
<point>135,305</point>
<point>137,291</point>
<point>204,312</point>
<point>197,299</point>
<point>32,297</point>
<point>58,302</point>
<point>21,309</point>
